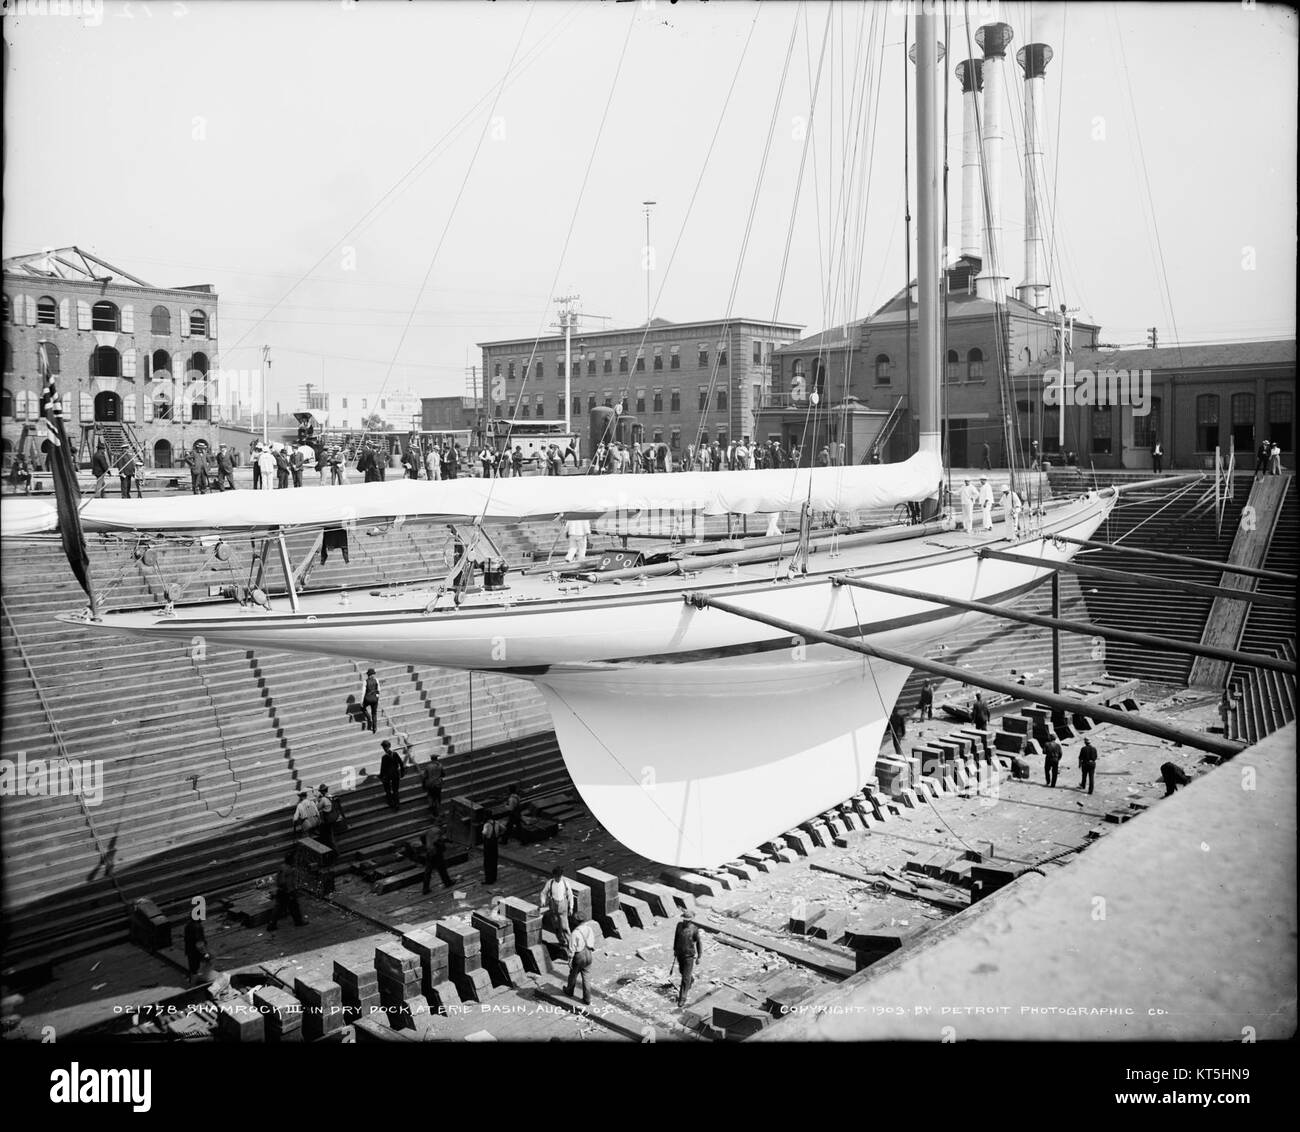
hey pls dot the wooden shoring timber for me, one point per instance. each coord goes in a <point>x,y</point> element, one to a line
<point>1195,739</point>
<point>1152,580</point>
<point>1254,660</point>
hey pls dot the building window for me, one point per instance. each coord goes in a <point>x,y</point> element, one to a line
<point>1280,409</point>
<point>160,321</point>
<point>722,353</point>
<point>640,400</point>
<point>198,324</point>
<point>162,405</point>
<point>674,357</point>
<point>577,406</point>
<point>363,403</point>
<point>975,368</point>
<point>622,361</point>
<point>608,365</point>
<point>591,365</point>
<point>559,367</point>
<point>702,359</point>
<point>1101,422</point>
<point>882,369</point>
<point>6,400</point>
<point>1207,422</point>
<point>559,406</point>
<point>659,357</point>
<point>591,402</point>
<point>797,380</point>
<point>523,409</point>
<point>659,401</point>
<point>675,439</point>
<point>1146,429</point>
<point>199,409</point>
<point>538,370</point>
<point>954,366</point>
<point>722,398</point>
<point>622,404</point>
<point>496,369</point>
<point>640,361</point>
<point>658,436</point>
<point>675,401</point>
<point>1243,422</point>
<point>607,398</point>
<point>51,357</point>
<point>105,362</point>
<point>104,316</point>
<point>704,397</point>
<point>198,368</point>
<point>758,352</point>
<point>47,311</point>
<point>9,359</point>
<point>5,315</point>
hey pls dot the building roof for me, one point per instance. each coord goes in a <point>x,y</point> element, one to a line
<point>69,263</point>
<point>655,324</point>
<point>1216,355</point>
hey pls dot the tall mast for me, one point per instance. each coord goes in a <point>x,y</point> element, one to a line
<point>929,253</point>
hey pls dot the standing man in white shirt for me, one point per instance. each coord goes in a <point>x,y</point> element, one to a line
<point>969,497</point>
<point>986,502</point>
<point>557,903</point>
<point>582,948</point>
<point>577,530</point>
<point>1011,507</point>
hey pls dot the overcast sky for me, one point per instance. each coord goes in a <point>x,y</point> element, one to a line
<point>327,156</point>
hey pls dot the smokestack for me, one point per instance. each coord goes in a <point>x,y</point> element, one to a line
<point>994,39</point>
<point>1033,59</point>
<point>971,75</point>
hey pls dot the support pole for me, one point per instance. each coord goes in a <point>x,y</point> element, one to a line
<point>1056,634</point>
<point>1198,740</point>
<point>287,567</point>
<point>1151,580</point>
<point>1131,636</point>
<point>1187,560</point>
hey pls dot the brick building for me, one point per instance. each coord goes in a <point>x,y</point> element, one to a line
<point>670,379</point>
<point>136,364</point>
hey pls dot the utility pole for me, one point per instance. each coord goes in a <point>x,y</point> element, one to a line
<point>647,260</point>
<point>1152,337</point>
<point>567,315</point>
<point>266,366</point>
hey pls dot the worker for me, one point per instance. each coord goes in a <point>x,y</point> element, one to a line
<point>576,531</point>
<point>688,949</point>
<point>969,497</point>
<point>1087,765</point>
<point>986,502</point>
<point>557,903</point>
<point>980,716</point>
<point>926,705</point>
<point>1011,508</point>
<point>1051,760</point>
<point>582,946</point>
<point>1174,776</point>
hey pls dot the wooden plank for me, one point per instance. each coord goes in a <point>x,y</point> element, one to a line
<point>832,961</point>
<point>912,890</point>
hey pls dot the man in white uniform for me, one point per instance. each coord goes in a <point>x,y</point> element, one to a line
<point>1011,507</point>
<point>969,497</point>
<point>577,530</point>
<point>986,502</point>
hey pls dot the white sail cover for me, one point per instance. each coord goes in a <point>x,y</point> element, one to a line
<point>855,488</point>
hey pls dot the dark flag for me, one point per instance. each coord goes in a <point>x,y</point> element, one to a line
<point>67,494</point>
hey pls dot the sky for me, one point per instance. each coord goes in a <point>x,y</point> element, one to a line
<point>375,187</point>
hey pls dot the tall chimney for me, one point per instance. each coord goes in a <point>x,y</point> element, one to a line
<point>1033,59</point>
<point>971,75</point>
<point>994,39</point>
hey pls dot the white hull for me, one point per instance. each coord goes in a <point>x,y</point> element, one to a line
<point>693,735</point>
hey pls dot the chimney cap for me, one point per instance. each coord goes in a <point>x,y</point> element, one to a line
<point>994,39</point>
<point>911,52</point>
<point>1033,59</point>
<point>965,70</point>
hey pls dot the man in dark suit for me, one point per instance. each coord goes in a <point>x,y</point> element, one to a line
<point>390,773</point>
<point>99,467</point>
<point>370,700</point>
<point>1088,765</point>
<point>688,948</point>
<point>435,855</point>
<point>980,715</point>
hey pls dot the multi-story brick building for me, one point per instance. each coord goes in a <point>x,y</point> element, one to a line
<point>671,381</point>
<point>132,361</point>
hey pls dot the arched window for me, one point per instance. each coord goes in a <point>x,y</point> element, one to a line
<point>162,402</point>
<point>798,380</point>
<point>1243,422</point>
<point>6,403</point>
<point>5,315</point>
<point>162,362</point>
<point>954,366</point>
<point>162,454</point>
<point>198,324</point>
<point>1101,429</point>
<point>1207,422</point>
<point>819,378</point>
<point>198,367</point>
<point>1280,409</point>
<point>975,365</point>
<point>52,359</point>
<point>47,311</point>
<point>160,321</point>
<point>882,369</point>
<point>105,362</point>
<point>1146,428</point>
<point>105,316</point>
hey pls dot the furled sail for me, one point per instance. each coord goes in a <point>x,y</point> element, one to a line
<point>855,488</point>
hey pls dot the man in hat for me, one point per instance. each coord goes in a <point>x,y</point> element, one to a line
<point>281,458</point>
<point>1011,507</point>
<point>296,462</point>
<point>390,773</point>
<point>688,948</point>
<point>582,947</point>
<point>127,474</point>
<point>225,469</point>
<point>331,813</point>
<point>99,468</point>
<point>266,467</point>
<point>306,818</point>
<point>255,450</point>
<point>492,831</point>
<point>986,502</point>
<point>370,701</point>
<point>1088,765</point>
<point>431,780</point>
<point>969,497</point>
<point>558,901</point>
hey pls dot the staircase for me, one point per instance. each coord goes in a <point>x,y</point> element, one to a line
<point>1182,523</point>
